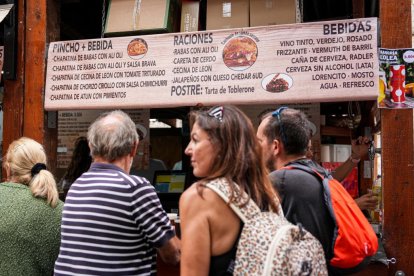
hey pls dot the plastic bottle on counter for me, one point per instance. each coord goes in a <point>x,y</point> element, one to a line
<point>376,214</point>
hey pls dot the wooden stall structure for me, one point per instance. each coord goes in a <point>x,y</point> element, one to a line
<point>397,150</point>
<point>24,115</point>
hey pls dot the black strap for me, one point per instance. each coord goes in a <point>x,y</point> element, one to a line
<point>324,176</point>
<point>306,168</point>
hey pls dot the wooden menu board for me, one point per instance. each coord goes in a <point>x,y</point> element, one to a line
<point>310,62</point>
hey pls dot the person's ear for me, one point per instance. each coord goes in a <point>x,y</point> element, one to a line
<point>134,149</point>
<point>276,147</point>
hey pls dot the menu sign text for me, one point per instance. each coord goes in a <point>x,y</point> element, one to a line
<point>310,62</point>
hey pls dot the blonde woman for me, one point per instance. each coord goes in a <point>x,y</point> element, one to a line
<point>30,212</point>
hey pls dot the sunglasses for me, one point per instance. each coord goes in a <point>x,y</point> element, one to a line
<point>216,112</point>
<point>278,115</point>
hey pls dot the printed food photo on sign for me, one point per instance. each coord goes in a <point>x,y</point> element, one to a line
<point>277,82</point>
<point>409,89</point>
<point>240,53</point>
<point>137,48</point>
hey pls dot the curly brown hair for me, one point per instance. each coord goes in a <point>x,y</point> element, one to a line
<point>239,157</point>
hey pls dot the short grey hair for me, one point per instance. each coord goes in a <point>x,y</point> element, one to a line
<point>112,135</point>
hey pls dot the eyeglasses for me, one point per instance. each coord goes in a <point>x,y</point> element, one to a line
<point>277,114</point>
<point>217,112</point>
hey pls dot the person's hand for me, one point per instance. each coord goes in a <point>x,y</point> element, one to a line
<point>367,201</point>
<point>359,147</point>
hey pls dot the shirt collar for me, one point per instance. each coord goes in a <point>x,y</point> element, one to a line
<point>105,166</point>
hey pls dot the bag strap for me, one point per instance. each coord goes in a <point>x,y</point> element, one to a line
<point>249,210</point>
<point>309,170</point>
<point>324,181</point>
<point>325,177</point>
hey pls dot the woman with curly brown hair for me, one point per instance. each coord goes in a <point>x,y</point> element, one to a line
<point>223,147</point>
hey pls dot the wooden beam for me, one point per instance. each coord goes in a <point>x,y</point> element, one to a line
<point>14,89</point>
<point>358,8</point>
<point>397,150</point>
<point>35,65</point>
<point>335,131</point>
<point>51,132</point>
<point>23,98</point>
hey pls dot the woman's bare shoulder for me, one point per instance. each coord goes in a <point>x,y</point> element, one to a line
<point>201,198</point>
<point>190,194</point>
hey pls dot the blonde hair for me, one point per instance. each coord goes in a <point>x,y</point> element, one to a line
<point>22,155</point>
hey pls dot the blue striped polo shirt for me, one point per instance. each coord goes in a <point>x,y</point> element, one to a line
<point>112,222</point>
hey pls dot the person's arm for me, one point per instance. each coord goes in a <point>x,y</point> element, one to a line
<point>195,234</point>
<point>367,201</point>
<point>151,218</point>
<point>359,150</point>
<point>344,169</point>
<point>170,252</point>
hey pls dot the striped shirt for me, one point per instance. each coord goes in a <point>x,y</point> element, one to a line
<point>112,222</point>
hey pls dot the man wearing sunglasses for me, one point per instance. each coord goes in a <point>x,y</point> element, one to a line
<point>284,136</point>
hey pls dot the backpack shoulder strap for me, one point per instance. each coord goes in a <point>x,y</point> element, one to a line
<point>325,180</point>
<point>245,212</point>
<point>308,169</point>
<point>324,176</point>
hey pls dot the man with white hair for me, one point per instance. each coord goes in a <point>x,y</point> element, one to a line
<point>113,222</point>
